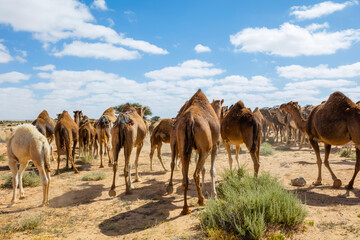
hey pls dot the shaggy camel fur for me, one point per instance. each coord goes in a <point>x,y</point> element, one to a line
<point>160,134</point>
<point>77,117</point>
<point>334,122</point>
<point>129,131</point>
<point>66,134</point>
<point>103,127</point>
<point>87,136</point>
<point>27,143</point>
<point>46,125</point>
<point>239,126</point>
<point>196,126</point>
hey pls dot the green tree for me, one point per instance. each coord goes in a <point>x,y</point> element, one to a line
<point>155,118</point>
<point>118,108</point>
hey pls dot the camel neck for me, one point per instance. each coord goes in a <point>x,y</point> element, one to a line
<point>298,119</point>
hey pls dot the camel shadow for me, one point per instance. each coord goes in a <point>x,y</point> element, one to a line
<point>4,168</point>
<point>78,197</point>
<point>322,200</point>
<point>305,163</point>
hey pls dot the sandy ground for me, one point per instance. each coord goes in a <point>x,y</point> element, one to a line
<point>83,210</point>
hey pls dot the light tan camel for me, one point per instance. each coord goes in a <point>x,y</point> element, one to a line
<point>46,125</point>
<point>160,134</point>
<point>196,126</point>
<point>25,144</point>
<point>240,125</point>
<point>66,134</point>
<point>129,131</point>
<point>103,127</point>
<point>334,122</point>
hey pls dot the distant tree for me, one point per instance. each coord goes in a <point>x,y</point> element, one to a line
<point>155,118</point>
<point>118,108</point>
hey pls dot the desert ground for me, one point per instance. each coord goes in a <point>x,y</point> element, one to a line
<point>83,209</point>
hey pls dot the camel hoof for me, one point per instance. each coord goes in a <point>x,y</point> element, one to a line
<point>128,192</point>
<point>349,187</point>
<point>137,180</point>
<point>57,173</point>
<point>110,164</point>
<point>22,197</point>
<point>169,189</point>
<point>337,183</point>
<point>112,193</point>
<point>317,183</point>
<point>76,172</point>
<point>185,211</point>
<point>201,203</point>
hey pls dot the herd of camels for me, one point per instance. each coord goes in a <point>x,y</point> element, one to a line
<point>199,126</point>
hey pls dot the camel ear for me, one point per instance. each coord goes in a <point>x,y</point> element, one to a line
<point>213,100</point>
<point>222,101</point>
<point>291,102</point>
<point>74,111</point>
<point>144,109</point>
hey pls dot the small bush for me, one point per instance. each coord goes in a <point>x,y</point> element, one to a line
<point>247,206</point>
<point>95,176</point>
<point>344,153</point>
<point>87,158</point>
<point>2,158</point>
<point>25,223</point>
<point>353,156</point>
<point>266,149</point>
<point>30,179</point>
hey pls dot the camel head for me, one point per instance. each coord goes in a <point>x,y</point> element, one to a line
<point>78,114</point>
<point>140,111</point>
<point>287,107</point>
<point>216,104</point>
<point>358,103</point>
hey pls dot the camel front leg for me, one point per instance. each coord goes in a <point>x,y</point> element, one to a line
<point>15,181</point>
<point>337,182</point>
<point>151,155</point>
<point>357,167</point>
<point>116,150</point>
<point>101,153</point>
<point>237,146</point>
<point>227,147</point>
<point>20,173</point>
<point>315,146</point>
<point>127,171</point>
<point>159,156</point>
<point>108,150</point>
<point>72,158</point>
<point>212,170</point>
<point>45,183</point>
<point>138,150</point>
<point>170,188</point>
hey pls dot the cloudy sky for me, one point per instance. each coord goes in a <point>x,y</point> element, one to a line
<point>90,55</point>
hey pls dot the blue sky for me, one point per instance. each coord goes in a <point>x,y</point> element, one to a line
<point>69,54</point>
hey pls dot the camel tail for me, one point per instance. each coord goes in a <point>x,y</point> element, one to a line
<point>61,134</point>
<point>256,130</point>
<point>189,139</point>
<point>65,139</point>
<point>46,158</point>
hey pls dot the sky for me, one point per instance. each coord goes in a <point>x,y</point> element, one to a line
<point>92,54</point>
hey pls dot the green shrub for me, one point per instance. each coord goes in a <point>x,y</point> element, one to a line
<point>2,158</point>
<point>266,149</point>
<point>344,153</point>
<point>30,179</point>
<point>25,223</point>
<point>247,206</point>
<point>353,156</point>
<point>95,176</point>
<point>86,158</point>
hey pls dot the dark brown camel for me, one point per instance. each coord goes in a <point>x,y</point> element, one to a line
<point>196,126</point>
<point>66,134</point>
<point>240,125</point>
<point>46,126</point>
<point>87,135</point>
<point>103,127</point>
<point>77,117</point>
<point>334,122</point>
<point>128,132</point>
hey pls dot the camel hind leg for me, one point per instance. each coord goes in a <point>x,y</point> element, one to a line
<point>237,154</point>
<point>199,166</point>
<point>116,150</point>
<point>185,182</point>
<point>315,146</point>
<point>45,182</point>
<point>15,181</point>
<point>159,155</point>
<point>337,182</point>
<point>357,167</point>
<point>212,169</point>
<point>19,174</point>
<point>174,154</point>
<point>227,147</point>
<point>138,150</point>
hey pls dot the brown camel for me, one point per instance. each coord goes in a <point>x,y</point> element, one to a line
<point>66,133</point>
<point>217,106</point>
<point>334,122</point>
<point>103,127</point>
<point>240,125</point>
<point>268,123</point>
<point>152,126</point>
<point>77,117</point>
<point>87,135</point>
<point>46,125</point>
<point>196,126</point>
<point>160,134</point>
<point>129,131</point>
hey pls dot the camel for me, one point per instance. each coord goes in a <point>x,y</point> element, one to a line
<point>77,117</point>
<point>217,106</point>
<point>46,125</point>
<point>103,127</point>
<point>268,123</point>
<point>334,122</point>
<point>129,131</point>
<point>160,134</point>
<point>27,143</point>
<point>152,127</point>
<point>196,126</point>
<point>239,126</point>
<point>66,133</point>
<point>87,135</point>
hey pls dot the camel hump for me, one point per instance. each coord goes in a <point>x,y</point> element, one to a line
<point>339,99</point>
<point>109,111</point>
<point>128,108</point>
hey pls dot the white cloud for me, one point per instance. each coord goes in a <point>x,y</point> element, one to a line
<point>97,50</point>
<point>48,67</point>
<point>316,84</point>
<point>322,71</point>
<point>188,69</point>
<point>5,56</point>
<point>130,16</point>
<point>13,77</point>
<point>201,48</point>
<point>319,9</point>
<point>52,21</point>
<point>99,4</point>
<point>291,40</point>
